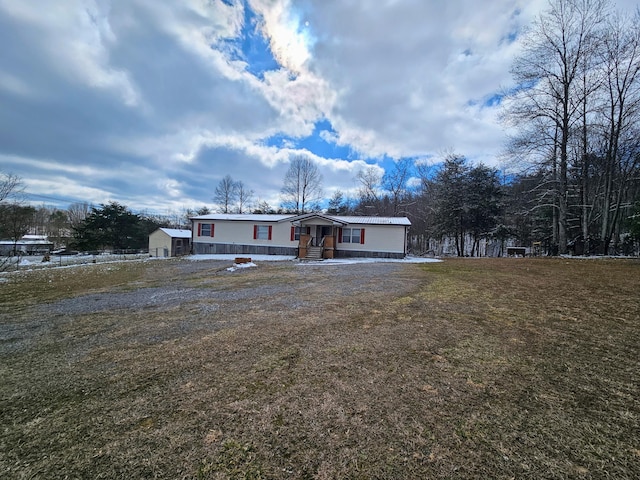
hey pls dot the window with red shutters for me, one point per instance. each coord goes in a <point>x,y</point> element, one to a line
<point>351,235</point>
<point>262,232</point>
<point>205,229</point>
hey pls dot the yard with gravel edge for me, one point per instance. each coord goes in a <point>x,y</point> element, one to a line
<point>523,368</point>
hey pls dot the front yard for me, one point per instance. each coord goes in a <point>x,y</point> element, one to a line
<point>470,368</point>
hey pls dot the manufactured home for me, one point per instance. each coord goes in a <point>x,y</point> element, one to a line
<point>312,235</point>
<point>169,242</point>
<point>27,245</point>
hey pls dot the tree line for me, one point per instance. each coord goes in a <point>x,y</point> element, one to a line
<point>575,117</point>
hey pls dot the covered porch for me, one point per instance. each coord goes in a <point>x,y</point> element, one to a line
<point>317,236</point>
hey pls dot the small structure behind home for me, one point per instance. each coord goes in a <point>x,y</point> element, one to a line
<point>169,242</point>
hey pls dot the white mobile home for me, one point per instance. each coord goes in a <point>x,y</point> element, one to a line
<point>310,235</point>
<point>27,245</point>
<point>169,242</point>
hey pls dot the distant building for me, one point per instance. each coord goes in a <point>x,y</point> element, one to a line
<point>169,242</point>
<point>27,245</point>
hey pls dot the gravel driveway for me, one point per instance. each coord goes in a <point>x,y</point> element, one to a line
<point>201,296</point>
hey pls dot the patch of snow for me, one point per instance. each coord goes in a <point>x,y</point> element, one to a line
<point>336,261</point>
<point>352,261</point>
<point>236,266</point>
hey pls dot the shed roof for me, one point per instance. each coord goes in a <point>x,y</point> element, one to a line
<point>176,233</point>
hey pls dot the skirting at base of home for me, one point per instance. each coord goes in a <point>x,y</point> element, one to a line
<point>359,254</point>
<point>237,249</point>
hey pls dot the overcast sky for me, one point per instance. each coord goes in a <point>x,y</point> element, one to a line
<point>150,103</point>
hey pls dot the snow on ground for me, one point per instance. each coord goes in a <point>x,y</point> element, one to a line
<point>236,266</point>
<point>351,261</point>
<point>35,263</point>
<point>335,261</point>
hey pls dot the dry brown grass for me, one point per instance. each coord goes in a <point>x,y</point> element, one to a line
<point>506,368</point>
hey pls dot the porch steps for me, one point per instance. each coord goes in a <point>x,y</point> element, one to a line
<point>313,253</point>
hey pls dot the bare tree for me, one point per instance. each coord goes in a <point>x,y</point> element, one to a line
<point>395,182</point>
<point>547,104</point>
<point>621,113</point>
<point>15,221</point>
<point>14,217</point>
<point>10,185</point>
<point>226,194</point>
<point>244,197</point>
<point>369,192</point>
<point>302,188</point>
<point>77,213</point>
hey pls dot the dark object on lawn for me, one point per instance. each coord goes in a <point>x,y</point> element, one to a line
<point>65,251</point>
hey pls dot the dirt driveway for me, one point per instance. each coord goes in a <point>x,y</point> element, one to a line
<point>201,296</point>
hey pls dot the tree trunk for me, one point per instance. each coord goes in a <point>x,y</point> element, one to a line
<point>584,187</point>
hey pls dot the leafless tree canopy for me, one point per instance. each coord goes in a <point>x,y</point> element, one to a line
<point>244,198</point>
<point>226,194</point>
<point>302,186</point>
<point>10,185</point>
<point>77,212</point>
<point>558,57</point>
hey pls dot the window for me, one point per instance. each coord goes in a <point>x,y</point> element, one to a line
<point>262,232</point>
<point>296,231</point>
<point>352,235</point>
<point>205,229</point>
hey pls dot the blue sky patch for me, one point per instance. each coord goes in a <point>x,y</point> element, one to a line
<point>319,142</point>
<point>493,100</point>
<point>251,46</point>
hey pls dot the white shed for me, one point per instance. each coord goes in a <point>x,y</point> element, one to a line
<point>169,242</point>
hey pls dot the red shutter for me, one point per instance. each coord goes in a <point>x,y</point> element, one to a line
<point>293,233</point>
<point>255,232</point>
<point>308,230</point>
<point>340,234</point>
<point>213,226</point>
<point>199,228</point>
<point>361,235</point>
<point>270,227</point>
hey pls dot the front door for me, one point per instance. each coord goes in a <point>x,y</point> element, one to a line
<point>321,232</point>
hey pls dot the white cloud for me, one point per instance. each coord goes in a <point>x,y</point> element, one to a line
<point>289,38</point>
<point>151,103</point>
<point>74,38</point>
<point>405,72</point>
